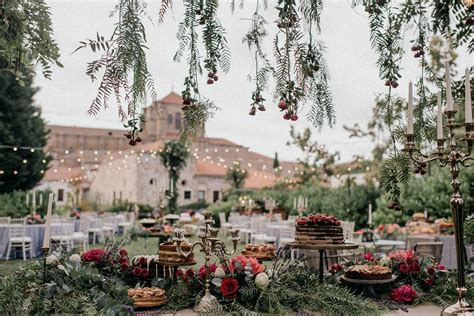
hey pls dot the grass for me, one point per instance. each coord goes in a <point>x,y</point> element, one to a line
<point>140,246</point>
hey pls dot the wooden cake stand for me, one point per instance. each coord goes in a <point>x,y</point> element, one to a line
<point>322,248</point>
<point>176,265</point>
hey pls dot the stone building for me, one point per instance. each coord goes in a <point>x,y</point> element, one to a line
<point>99,163</point>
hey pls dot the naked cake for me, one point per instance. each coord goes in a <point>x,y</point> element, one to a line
<point>317,229</point>
<point>168,253</point>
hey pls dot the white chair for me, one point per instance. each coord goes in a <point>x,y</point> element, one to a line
<point>64,237</point>
<point>225,226</point>
<point>348,230</point>
<point>17,237</point>
<point>287,236</point>
<point>108,229</point>
<point>260,231</point>
<point>80,237</point>
<point>91,227</point>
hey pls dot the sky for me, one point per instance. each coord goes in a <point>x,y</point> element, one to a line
<point>354,77</point>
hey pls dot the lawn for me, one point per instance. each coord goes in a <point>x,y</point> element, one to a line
<point>140,246</point>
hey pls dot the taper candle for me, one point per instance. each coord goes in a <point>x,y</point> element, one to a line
<point>34,201</point>
<point>439,121</point>
<point>449,95</point>
<point>370,214</point>
<point>410,109</point>
<point>27,199</point>
<point>467,94</point>
<point>47,226</point>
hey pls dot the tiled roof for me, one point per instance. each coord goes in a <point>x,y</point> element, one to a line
<point>86,131</point>
<point>62,173</point>
<point>172,98</point>
<point>207,169</point>
<point>218,141</point>
<point>255,179</point>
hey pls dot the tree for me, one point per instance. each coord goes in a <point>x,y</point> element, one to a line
<point>236,176</point>
<point>174,156</point>
<point>276,163</point>
<point>317,163</point>
<point>22,160</point>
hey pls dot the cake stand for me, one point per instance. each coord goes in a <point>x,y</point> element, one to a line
<point>371,288</point>
<point>322,248</point>
<point>176,265</point>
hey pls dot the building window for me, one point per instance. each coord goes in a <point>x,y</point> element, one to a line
<point>60,195</point>
<point>187,195</point>
<point>201,195</point>
<point>152,181</point>
<point>177,121</point>
<point>215,196</point>
<point>170,120</point>
<point>120,194</point>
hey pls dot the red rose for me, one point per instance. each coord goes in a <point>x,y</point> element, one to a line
<point>123,253</point>
<point>229,288</point>
<point>414,267</point>
<point>142,261</point>
<point>441,267</point>
<point>123,260</point>
<point>336,267</point>
<point>404,268</point>
<point>137,271</point>
<point>429,281</point>
<point>124,267</point>
<point>190,273</point>
<point>179,272</point>
<point>431,271</point>
<point>202,272</point>
<point>145,273</point>
<point>403,294</point>
<point>93,255</point>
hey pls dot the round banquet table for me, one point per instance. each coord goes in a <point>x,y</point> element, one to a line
<point>35,232</point>
<point>322,252</point>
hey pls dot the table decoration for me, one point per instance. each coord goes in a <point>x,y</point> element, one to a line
<point>210,245</point>
<point>453,158</point>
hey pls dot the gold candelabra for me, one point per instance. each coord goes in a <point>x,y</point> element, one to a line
<point>452,158</point>
<point>210,245</point>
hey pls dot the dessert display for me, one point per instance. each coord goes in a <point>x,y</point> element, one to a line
<point>168,253</point>
<point>368,272</point>
<point>259,251</point>
<point>150,267</point>
<point>317,229</point>
<point>147,297</point>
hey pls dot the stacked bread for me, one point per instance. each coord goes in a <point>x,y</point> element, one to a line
<point>147,297</point>
<point>168,253</point>
<point>259,251</point>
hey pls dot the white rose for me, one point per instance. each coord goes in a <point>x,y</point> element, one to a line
<point>52,260</point>
<point>219,273</point>
<point>75,259</point>
<point>262,280</point>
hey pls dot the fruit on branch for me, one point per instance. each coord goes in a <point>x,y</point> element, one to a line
<point>282,105</point>
<point>210,81</point>
<point>261,107</point>
<point>252,111</point>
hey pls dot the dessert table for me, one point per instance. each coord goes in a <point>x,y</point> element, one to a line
<point>322,252</point>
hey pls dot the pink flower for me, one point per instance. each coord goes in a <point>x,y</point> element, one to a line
<point>404,294</point>
<point>441,267</point>
<point>404,268</point>
<point>429,281</point>
<point>244,261</point>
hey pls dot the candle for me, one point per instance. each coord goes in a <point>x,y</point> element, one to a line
<point>41,198</point>
<point>47,226</point>
<point>294,203</point>
<point>410,109</point>
<point>34,200</point>
<point>27,201</point>
<point>426,214</point>
<point>370,214</point>
<point>467,94</point>
<point>172,187</point>
<point>439,121</point>
<point>449,95</point>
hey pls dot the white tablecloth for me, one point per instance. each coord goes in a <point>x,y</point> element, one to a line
<point>36,232</point>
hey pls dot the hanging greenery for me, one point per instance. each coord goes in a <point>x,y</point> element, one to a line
<point>26,37</point>
<point>123,65</point>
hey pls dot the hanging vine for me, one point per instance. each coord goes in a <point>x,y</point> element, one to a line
<point>124,69</point>
<point>263,68</point>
